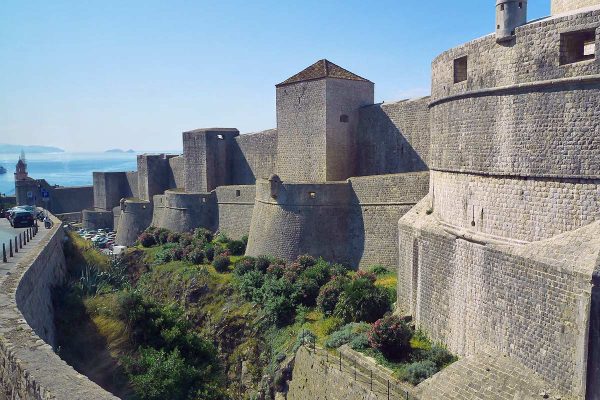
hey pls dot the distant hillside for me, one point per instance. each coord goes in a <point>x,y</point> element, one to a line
<point>119,151</point>
<point>16,148</point>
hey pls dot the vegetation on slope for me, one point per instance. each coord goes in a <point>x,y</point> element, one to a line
<point>186,316</point>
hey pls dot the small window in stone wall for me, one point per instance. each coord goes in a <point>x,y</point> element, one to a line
<point>312,195</point>
<point>460,69</point>
<point>220,137</point>
<point>577,46</point>
<point>344,118</point>
<point>238,193</point>
<point>204,199</point>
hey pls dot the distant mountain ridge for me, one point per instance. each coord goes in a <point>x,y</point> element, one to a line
<point>119,151</point>
<point>15,148</point>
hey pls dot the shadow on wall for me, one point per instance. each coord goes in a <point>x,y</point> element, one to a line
<point>383,148</point>
<point>593,364</point>
<point>242,171</point>
<point>320,220</point>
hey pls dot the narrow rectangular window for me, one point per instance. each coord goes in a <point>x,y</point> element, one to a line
<point>312,195</point>
<point>577,46</point>
<point>238,193</point>
<point>460,69</point>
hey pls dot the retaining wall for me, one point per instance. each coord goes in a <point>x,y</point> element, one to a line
<point>29,369</point>
<point>96,219</point>
<point>531,302</point>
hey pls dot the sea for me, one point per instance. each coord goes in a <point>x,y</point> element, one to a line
<point>65,169</point>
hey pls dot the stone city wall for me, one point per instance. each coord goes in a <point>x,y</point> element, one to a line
<point>301,142</point>
<point>383,200</point>
<point>531,302</point>
<point>136,217</point>
<point>508,207</point>
<point>352,222</point>
<point>97,219</point>
<point>235,205</point>
<point>393,137</point>
<point>176,172</point>
<point>521,110</point>
<point>562,6</point>
<point>254,156</point>
<point>183,212</point>
<point>29,368</point>
<point>111,187</point>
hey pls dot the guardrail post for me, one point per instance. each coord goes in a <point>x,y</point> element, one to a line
<point>10,245</point>
<point>388,389</point>
<point>371,380</point>
<point>16,245</point>
<point>20,242</point>
<point>354,369</point>
<point>4,259</point>
<point>340,361</point>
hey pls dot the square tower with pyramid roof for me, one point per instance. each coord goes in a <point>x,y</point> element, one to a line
<point>317,119</point>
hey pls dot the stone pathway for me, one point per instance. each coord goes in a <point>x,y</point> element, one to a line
<point>486,377</point>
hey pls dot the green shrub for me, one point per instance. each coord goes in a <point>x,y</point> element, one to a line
<point>221,263</point>
<point>262,263</point>
<point>249,284</point>
<point>157,374</point>
<point>165,254</point>
<point>329,294</point>
<point>391,335</point>
<point>347,334</point>
<point>320,272</point>
<point>304,338</point>
<point>209,251</point>
<point>378,270</point>
<point>245,240</point>
<point>307,290</point>
<point>236,247</point>
<point>278,299</point>
<point>196,256</point>
<point>222,238</point>
<point>359,342</point>
<point>244,265</point>
<point>361,300</point>
<point>173,237</point>
<point>419,371</point>
<point>203,235</point>
<point>306,261</point>
<point>161,235</point>
<point>439,356</point>
<point>147,239</point>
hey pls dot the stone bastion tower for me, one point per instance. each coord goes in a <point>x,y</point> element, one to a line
<point>502,256</point>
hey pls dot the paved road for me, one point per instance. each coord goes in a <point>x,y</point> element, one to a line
<point>6,233</point>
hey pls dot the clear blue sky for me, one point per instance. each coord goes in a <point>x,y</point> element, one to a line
<point>93,75</point>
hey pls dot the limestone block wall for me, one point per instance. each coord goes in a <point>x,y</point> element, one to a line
<point>176,172</point>
<point>207,154</point>
<point>344,101</point>
<point>301,120</point>
<point>96,219</point>
<point>562,6</point>
<point>531,302</point>
<point>393,137</point>
<point>154,174</point>
<point>254,156</point>
<point>71,199</point>
<point>235,206</point>
<point>183,212</point>
<point>296,223</point>
<point>136,217</point>
<point>352,222</point>
<point>111,187</point>
<point>29,369</point>
<point>382,200</point>
<point>508,207</point>
<point>522,110</point>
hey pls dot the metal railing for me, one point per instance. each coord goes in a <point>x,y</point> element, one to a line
<point>16,244</point>
<point>382,388</point>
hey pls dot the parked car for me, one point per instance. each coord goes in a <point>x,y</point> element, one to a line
<point>21,219</point>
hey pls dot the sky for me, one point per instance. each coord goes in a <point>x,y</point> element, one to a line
<point>94,75</point>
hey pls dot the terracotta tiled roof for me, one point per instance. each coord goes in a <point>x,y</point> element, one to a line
<point>322,69</point>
